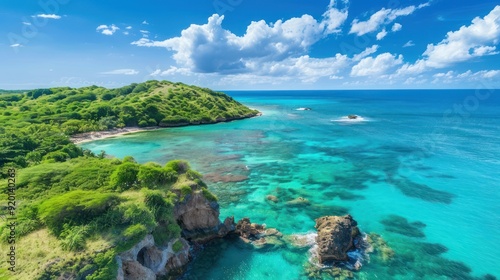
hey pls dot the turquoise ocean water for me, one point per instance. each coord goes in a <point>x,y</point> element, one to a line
<point>421,169</point>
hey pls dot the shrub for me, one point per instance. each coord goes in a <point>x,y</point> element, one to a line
<point>74,238</point>
<point>57,156</point>
<point>76,207</point>
<point>193,175</point>
<point>151,175</point>
<point>208,195</point>
<point>125,176</point>
<point>179,166</point>
<point>107,266</point>
<point>185,190</point>
<point>131,236</point>
<point>177,246</point>
<point>137,214</point>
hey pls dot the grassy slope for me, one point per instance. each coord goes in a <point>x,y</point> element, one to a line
<point>152,103</point>
<point>39,250</point>
<point>105,205</point>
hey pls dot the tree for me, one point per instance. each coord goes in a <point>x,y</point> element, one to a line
<point>125,176</point>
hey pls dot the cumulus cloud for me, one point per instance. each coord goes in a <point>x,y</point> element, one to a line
<point>381,34</point>
<point>381,18</point>
<point>48,16</point>
<point>16,45</point>
<point>26,23</point>
<point>145,23</point>
<point>477,39</point>
<point>396,27</point>
<point>107,29</point>
<point>121,72</point>
<point>377,66</point>
<point>209,48</point>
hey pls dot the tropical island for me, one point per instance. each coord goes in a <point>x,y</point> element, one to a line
<point>73,214</point>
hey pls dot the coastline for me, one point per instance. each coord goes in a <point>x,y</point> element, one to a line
<point>98,135</point>
<point>110,133</point>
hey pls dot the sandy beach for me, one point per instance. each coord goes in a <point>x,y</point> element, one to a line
<point>97,135</point>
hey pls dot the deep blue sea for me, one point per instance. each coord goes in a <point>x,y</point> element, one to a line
<point>419,167</point>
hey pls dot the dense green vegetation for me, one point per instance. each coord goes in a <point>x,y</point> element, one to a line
<point>76,210</point>
<point>120,207</point>
<point>152,103</point>
<point>35,124</point>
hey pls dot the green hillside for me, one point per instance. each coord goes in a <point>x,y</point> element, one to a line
<point>74,210</point>
<point>73,217</point>
<point>153,103</point>
<point>36,124</point>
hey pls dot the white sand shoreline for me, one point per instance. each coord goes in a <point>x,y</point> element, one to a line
<point>98,135</point>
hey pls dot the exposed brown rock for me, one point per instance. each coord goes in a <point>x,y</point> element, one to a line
<point>258,235</point>
<point>197,213</point>
<point>335,237</point>
<point>272,198</point>
<point>199,219</point>
<point>133,270</point>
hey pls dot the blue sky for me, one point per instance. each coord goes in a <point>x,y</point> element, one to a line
<point>242,44</point>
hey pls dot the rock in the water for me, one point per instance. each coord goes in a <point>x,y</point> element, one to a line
<point>199,219</point>
<point>248,230</point>
<point>272,198</point>
<point>258,235</point>
<point>197,213</point>
<point>299,201</point>
<point>335,237</point>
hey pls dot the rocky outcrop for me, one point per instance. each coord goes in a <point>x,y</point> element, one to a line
<point>145,260</point>
<point>199,218</point>
<point>335,237</point>
<point>133,270</point>
<point>258,235</point>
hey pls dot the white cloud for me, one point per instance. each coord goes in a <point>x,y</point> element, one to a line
<point>144,33</point>
<point>334,18</point>
<point>107,29</point>
<point>447,77</point>
<point>477,39</point>
<point>409,44</point>
<point>16,45</point>
<point>126,33</point>
<point>365,53</point>
<point>49,16</point>
<point>381,18</point>
<point>209,48</point>
<point>381,34</point>
<point>396,27</point>
<point>483,74</point>
<point>377,66</point>
<point>26,23</point>
<point>145,23</point>
<point>121,72</point>
<point>128,27</point>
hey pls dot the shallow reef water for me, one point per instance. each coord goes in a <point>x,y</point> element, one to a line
<point>429,189</point>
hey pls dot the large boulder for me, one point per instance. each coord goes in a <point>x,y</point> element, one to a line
<point>335,237</point>
<point>198,218</point>
<point>196,212</point>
